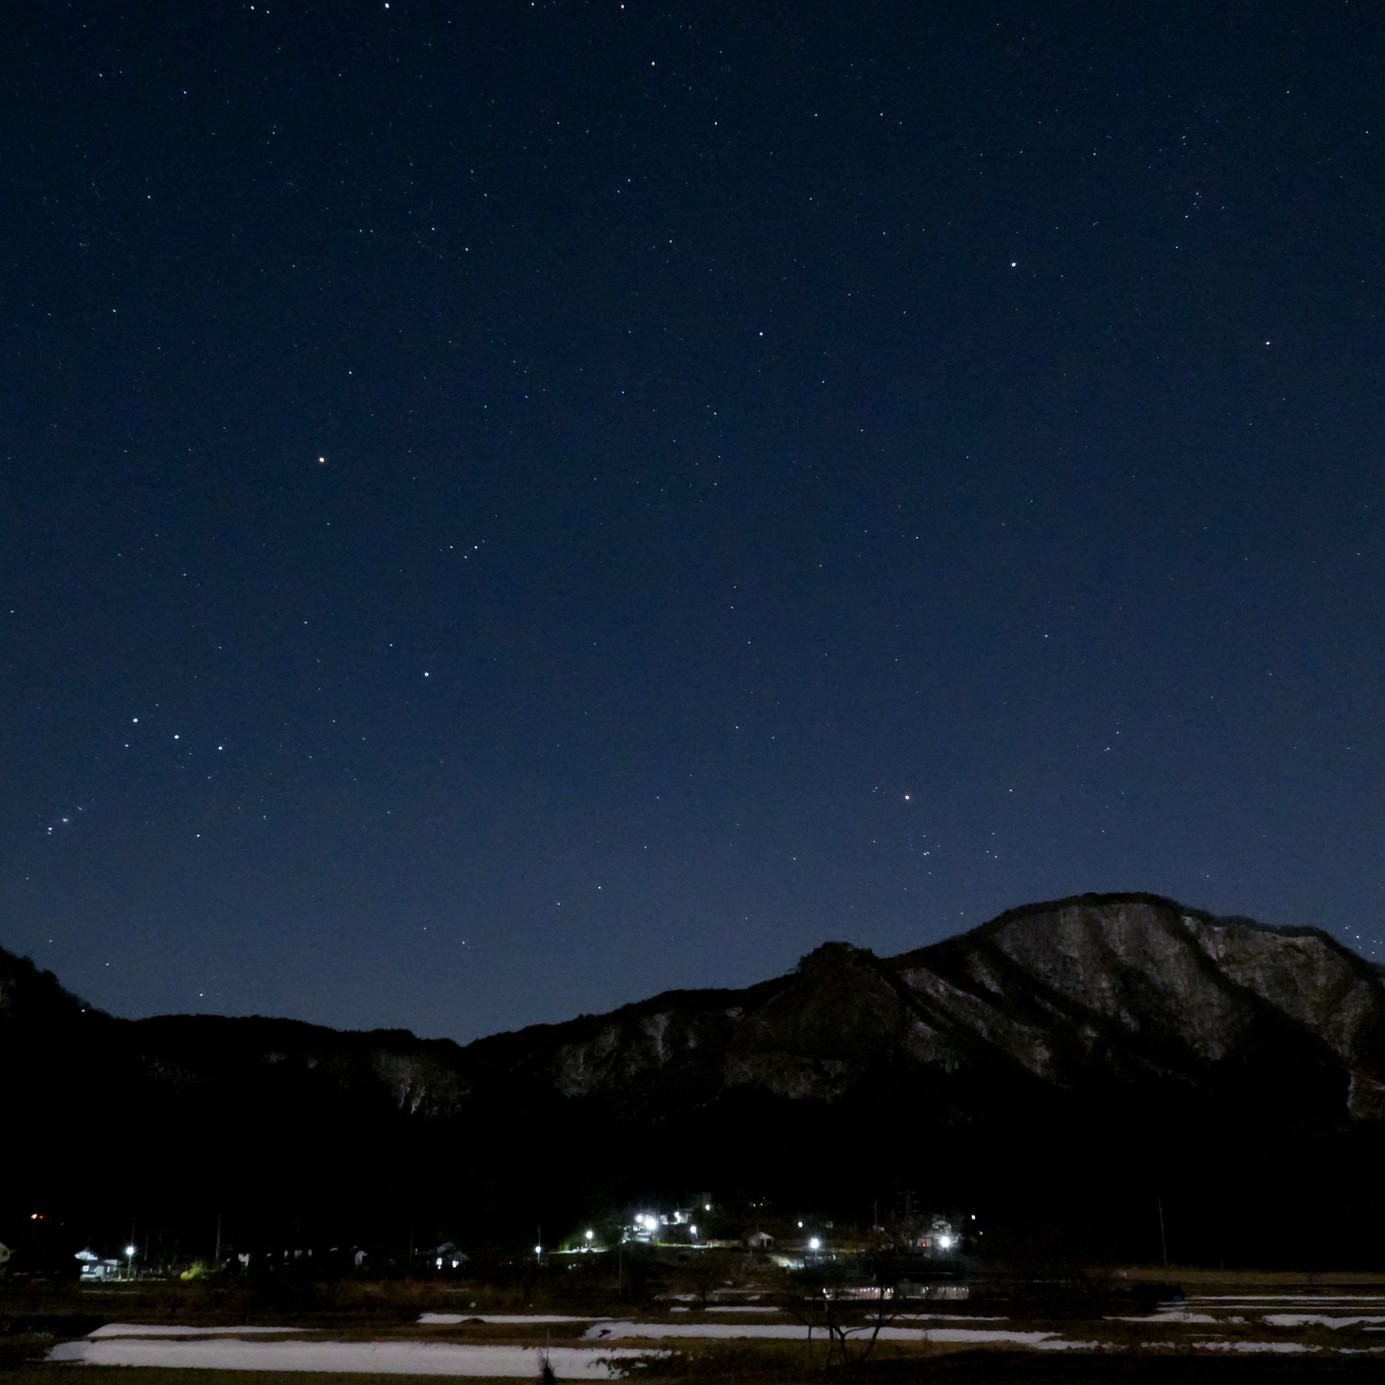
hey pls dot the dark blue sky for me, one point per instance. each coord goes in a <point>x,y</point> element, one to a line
<point>509,508</point>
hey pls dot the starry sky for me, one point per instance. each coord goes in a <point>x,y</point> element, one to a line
<point>511,507</point>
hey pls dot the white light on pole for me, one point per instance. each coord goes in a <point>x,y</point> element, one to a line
<point>129,1262</point>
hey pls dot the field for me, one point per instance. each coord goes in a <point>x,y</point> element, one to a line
<point>1213,1327</point>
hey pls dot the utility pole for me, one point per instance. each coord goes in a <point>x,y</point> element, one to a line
<point>1163,1242</point>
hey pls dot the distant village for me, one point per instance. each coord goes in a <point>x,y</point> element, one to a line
<point>934,1243</point>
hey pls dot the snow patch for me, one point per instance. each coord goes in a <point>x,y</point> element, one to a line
<point>125,1329</point>
<point>1316,1320</point>
<point>452,1319</point>
<point>618,1331</point>
<point>347,1358</point>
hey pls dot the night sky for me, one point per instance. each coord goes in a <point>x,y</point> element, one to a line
<point>508,508</point>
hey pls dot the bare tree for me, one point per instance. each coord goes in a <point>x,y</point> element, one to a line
<point>849,1325</point>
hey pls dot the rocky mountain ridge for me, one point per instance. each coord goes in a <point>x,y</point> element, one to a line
<point>1125,1022</point>
<point>1132,986</point>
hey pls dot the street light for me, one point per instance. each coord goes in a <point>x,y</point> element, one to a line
<point>129,1262</point>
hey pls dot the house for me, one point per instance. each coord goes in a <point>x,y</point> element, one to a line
<point>95,1268</point>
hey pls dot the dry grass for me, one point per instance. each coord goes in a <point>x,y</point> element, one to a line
<point>1191,1276</point>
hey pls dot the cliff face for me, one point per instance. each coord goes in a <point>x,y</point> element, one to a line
<point>1134,981</point>
<point>808,1035</point>
<point>1085,992</point>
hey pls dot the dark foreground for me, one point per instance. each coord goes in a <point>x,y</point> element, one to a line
<point>962,1368</point>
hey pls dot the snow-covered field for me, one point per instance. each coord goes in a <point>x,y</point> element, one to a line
<point>355,1358</point>
<point>1225,1324</point>
<point>1236,1313</point>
